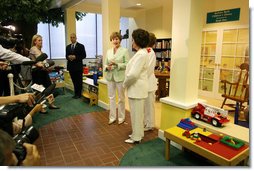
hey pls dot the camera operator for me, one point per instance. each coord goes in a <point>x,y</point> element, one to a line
<point>14,58</point>
<point>8,158</point>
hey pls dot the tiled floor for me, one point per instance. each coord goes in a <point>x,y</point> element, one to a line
<point>88,140</point>
<point>85,140</point>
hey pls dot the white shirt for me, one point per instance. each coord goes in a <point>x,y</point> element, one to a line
<point>136,80</point>
<point>152,80</point>
<point>8,55</point>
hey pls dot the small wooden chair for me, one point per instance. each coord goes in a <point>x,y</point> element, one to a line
<point>237,91</point>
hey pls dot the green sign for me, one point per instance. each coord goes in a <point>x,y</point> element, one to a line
<point>223,16</point>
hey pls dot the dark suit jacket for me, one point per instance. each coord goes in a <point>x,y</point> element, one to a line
<point>80,53</point>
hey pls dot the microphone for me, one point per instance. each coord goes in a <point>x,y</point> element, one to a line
<point>42,57</point>
<point>49,63</point>
<point>46,92</point>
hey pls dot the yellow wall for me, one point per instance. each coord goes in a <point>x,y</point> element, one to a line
<point>170,115</point>
<point>218,5</point>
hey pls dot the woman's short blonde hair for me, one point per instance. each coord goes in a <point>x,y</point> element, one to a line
<point>114,35</point>
<point>35,37</point>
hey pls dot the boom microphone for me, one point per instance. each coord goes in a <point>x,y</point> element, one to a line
<point>42,57</point>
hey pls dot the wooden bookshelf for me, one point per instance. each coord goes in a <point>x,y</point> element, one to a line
<point>163,51</point>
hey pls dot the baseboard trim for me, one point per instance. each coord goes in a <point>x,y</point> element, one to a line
<point>161,136</point>
<point>103,105</point>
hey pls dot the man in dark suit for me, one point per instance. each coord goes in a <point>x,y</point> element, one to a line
<point>75,53</point>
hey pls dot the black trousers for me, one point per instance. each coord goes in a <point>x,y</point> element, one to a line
<point>41,77</point>
<point>77,80</point>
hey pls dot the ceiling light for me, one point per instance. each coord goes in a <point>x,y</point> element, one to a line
<point>138,4</point>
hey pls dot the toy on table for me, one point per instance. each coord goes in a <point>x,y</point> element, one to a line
<point>186,133</point>
<point>232,142</point>
<point>186,124</point>
<point>210,114</point>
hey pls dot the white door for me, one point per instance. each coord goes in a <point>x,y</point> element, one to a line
<point>223,50</point>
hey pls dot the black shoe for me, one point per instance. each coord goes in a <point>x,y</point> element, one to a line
<point>54,107</point>
<point>76,97</point>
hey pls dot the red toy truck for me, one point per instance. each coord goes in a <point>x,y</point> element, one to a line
<point>210,114</point>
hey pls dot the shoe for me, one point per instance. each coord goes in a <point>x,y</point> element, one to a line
<point>76,97</point>
<point>43,112</point>
<point>120,122</point>
<point>148,128</point>
<point>111,121</point>
<point>54,107</point>
<point>130,136</point>
<point>131,141</point>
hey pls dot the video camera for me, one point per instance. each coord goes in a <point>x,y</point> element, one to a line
<point>27,135</point>
<point>9,40</point>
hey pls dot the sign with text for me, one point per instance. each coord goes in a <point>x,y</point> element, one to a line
<point>223,16</point>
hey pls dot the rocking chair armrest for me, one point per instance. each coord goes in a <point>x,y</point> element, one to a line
<point>227,82</point>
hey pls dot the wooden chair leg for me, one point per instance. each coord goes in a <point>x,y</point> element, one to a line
<point>223,103</point>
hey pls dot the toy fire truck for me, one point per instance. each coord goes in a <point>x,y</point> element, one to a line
<point>210,114</point>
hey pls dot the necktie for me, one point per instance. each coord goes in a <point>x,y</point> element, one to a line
<point>72,47</point>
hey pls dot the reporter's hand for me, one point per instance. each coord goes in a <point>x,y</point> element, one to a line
<point>32,156</point>
<point>26,98</point>
<point>3,65</point>
<point>39,64</point>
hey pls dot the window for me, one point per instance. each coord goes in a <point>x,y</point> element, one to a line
<point>89,33</point>
<point>53,40</point>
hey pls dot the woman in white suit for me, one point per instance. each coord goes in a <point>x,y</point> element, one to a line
<point>136,83</point>
<point>152,86</point>
<point>116,61</point>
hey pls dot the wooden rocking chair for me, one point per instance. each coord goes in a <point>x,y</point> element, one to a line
<point>237,91</point>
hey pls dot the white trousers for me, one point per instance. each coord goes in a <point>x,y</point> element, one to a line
<point>112,86</point>
<point>137,118</point>
<point>149,110</point>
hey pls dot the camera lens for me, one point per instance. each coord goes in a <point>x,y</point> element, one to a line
<point>28,135</point>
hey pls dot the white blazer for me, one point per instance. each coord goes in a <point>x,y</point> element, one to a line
<point>136,81</point>
<point>152,80</point>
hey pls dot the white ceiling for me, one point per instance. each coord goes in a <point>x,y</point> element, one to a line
<point>125,4</point>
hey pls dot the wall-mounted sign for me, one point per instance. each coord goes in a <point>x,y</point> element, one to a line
<point>223,16</point>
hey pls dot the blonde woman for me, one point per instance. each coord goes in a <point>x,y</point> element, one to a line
<point>40,75</point>
<point>116,61</point>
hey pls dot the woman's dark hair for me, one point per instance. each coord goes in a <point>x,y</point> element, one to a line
<point>141,37</point>
<point>152,39</point>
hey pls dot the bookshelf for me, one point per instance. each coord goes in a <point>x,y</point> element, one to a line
<point>163,51</point>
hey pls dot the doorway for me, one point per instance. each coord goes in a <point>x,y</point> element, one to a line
<point>222,52</point>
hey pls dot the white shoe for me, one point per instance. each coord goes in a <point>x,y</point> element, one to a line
<point>120,122</point>
<point>131,141</point>
<point>111,121</point>
<point>130,136</point>
<point>148,128</point>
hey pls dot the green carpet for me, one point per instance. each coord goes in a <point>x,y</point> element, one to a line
<point>152,153</point>
<point>68,107</point>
